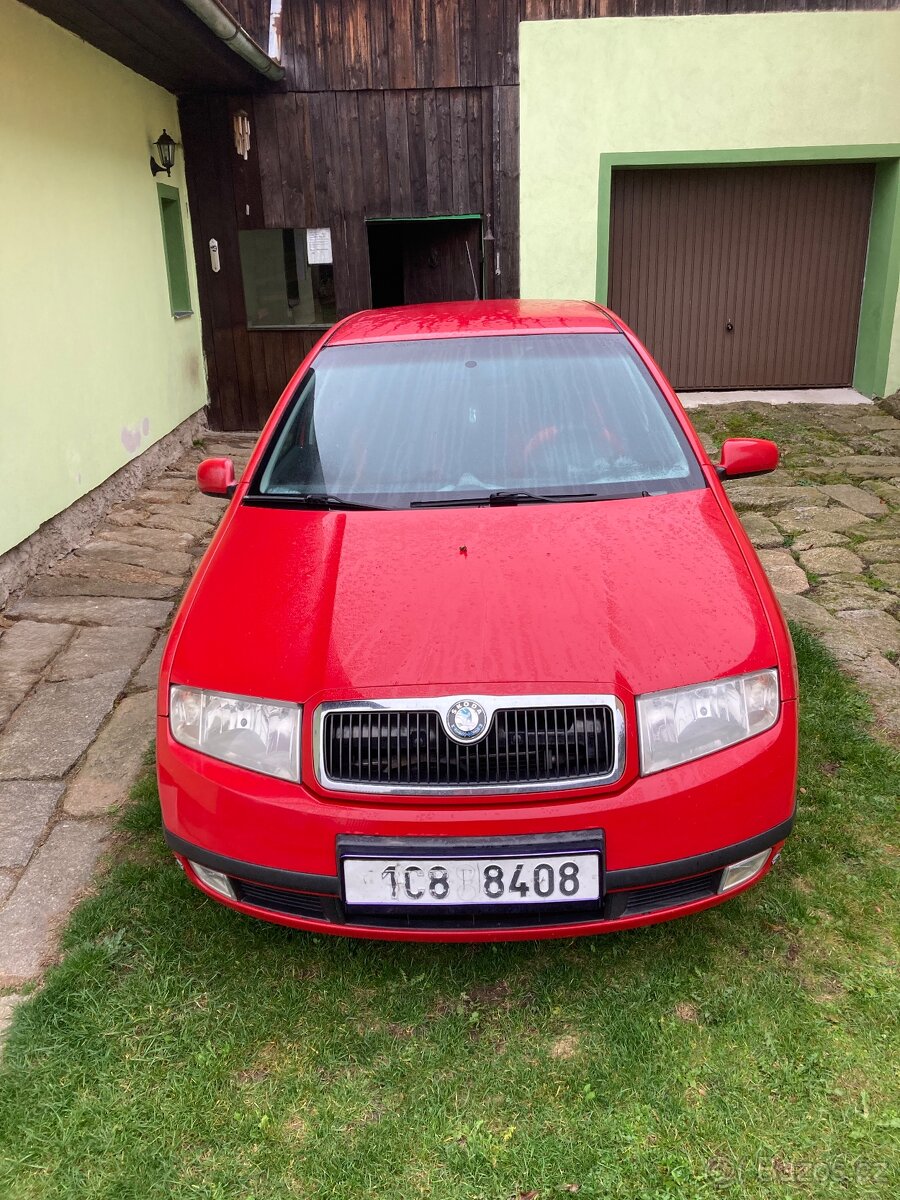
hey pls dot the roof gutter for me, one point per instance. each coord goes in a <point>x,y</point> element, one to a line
<point>217,18</point>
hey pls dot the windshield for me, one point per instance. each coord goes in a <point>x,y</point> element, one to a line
<point>551,415</point>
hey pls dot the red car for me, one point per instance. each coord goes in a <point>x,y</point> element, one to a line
<point>480,649</point>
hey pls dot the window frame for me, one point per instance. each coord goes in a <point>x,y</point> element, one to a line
<point>177,271</point>
<point>307,327</point>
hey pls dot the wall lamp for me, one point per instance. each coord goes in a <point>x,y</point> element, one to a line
<point>165,148</point>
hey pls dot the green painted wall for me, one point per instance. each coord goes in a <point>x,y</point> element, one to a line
<point>676,84</point>
<point>94,367</point>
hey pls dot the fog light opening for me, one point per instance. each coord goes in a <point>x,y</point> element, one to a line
<point>214,880</point>
<point>740,872</point>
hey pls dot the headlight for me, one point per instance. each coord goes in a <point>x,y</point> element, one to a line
<point>261,735</point>
<point>688,722</point>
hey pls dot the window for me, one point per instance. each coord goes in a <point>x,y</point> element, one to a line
<point>288,278</point>
<point>441,419</point>
<point>173,244</point>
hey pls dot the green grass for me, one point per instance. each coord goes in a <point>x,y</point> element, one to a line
<point>181,1050</point>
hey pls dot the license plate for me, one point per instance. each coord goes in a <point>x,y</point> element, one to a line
<point>421,882</point>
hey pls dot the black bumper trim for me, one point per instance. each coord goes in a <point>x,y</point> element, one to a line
<point>293,881</point>
<point>630,877</point>
<point>699,864</point>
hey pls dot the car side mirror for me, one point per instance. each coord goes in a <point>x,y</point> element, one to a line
<point>747,456</point>
<point>215,477</point>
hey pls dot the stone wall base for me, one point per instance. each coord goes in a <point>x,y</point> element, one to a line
<point>74,525</point>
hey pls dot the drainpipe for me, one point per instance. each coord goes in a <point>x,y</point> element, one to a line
<point>217,18</point>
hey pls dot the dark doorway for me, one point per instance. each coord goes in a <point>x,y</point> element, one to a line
<point>423,261</point>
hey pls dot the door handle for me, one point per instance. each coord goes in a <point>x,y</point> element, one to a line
<point>729,326</point>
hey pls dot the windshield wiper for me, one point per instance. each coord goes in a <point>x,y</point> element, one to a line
<point>313,500</point>
<point>499,499</point>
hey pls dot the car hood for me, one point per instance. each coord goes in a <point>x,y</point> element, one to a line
<point>626,595</point>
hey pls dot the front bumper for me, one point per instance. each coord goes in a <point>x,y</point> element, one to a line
<point>283,897</point>
<point>667,836</point>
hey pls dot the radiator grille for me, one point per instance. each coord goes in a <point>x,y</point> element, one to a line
<point>522,746</point>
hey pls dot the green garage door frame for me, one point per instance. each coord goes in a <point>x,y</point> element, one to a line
<point>882,281</point>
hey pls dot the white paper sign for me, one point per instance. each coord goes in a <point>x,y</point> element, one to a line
<point>318,246</point>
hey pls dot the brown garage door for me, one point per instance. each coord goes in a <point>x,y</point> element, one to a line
<point>743,277</point>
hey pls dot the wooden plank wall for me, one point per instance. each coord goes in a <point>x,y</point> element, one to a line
<point>335,159</point>
<point>254,16</point>
<point>246,369</point>
<point>341,157</point>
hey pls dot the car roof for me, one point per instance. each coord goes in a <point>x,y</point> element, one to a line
<point>473,318</point>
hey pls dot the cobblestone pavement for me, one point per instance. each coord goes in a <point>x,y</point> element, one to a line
<point>79,654</point>
<point>80,648</point>
<point>827,528</point>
